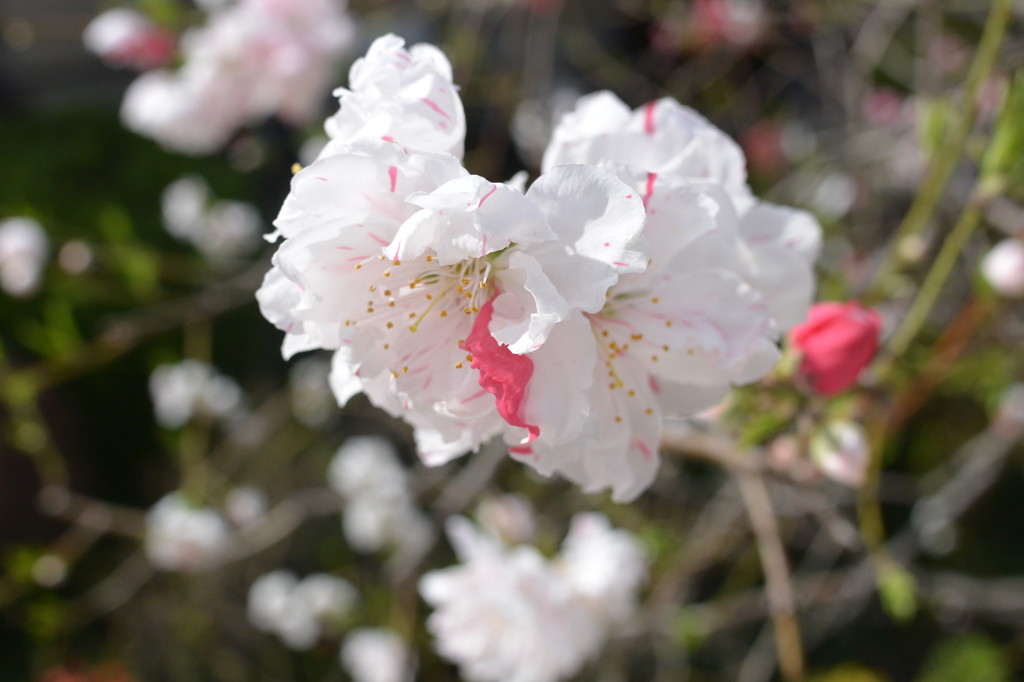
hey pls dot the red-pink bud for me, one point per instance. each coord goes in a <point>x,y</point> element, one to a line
<point>838,340</point>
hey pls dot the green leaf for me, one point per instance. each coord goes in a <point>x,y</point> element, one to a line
<point>897,589</point>
<point>968,658</point>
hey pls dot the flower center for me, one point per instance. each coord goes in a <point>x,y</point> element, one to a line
<point>404,294</point>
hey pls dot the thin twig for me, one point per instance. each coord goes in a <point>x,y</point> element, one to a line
<point>776,574</point>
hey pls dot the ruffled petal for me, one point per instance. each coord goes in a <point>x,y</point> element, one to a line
<point>469,218</point>
<point>529,306</point>
<point>372,179</point>
<point>405,96</point>
<point>598,220</point>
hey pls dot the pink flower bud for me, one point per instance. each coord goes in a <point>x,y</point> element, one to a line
<point>838,340</point>
<point>1003,268</point>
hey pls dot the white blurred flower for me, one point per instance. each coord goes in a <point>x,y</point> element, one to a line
<point>180,537</point>
<point>508,518</point>
<point>75,257</point>
<point>183,205</point>
<point>835,195</point>
<point>313,404</point>
<point>375,655</point>
<point>506,615</point>
<point>841,451</point>
<point>296,611</point>
<point>125,37</point>
<point>189,388</point>
<point>253,59</point>
<point>379,512</point>
<point>604,565</point>
<point>1003,268</point>
<point>245,505</point>
<point>364,464</point>
<point>232,229</point>
<point>225,229</point>
<point>24,250</point>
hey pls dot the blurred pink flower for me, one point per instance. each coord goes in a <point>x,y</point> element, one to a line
<point>882,107</point>
<point>125,38</point>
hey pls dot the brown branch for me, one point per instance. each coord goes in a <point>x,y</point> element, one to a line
<point>776,574</point>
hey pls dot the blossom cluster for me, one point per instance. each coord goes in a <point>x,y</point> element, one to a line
<point>297,610</point>
<point>217,229</point>
<point>379,512</point>
<point>183,537</point>
<point>638,276</point>
<point>510,615</point>
<point>251,59</point>
<point>192,388</point>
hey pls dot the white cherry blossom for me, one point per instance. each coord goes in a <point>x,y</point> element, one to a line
<point>728,275</point>
<point>505,615</point>
<point>220,229</point>
<point>24,250</point>
<point>297,610</point>
<point>189,388</point>
<point>400,95</point>
<point>670,340</point>
<point>375,655</point>
<point>379,511</point>
<point>182,537</point>
<point>604,565</point>
<point>460,276</point>
<point>1003,268</point>
<point>253,59</point>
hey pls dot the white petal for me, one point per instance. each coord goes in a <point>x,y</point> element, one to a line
<point>529,306</point>
<point>469,217</point>
<point>696,327</point>
<point>790,228</point>
<point>598,220</point>
<point>618,447</point>
<point>344,379</point>
<point>558,397</point>
<point>372,179</point>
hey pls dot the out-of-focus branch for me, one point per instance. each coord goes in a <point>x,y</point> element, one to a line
<point>946,158</point>
<point>126,332</point>
<point>934,282</point>
<point>715,449</point>
<point>87,512</point>
<point>776,574</point>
